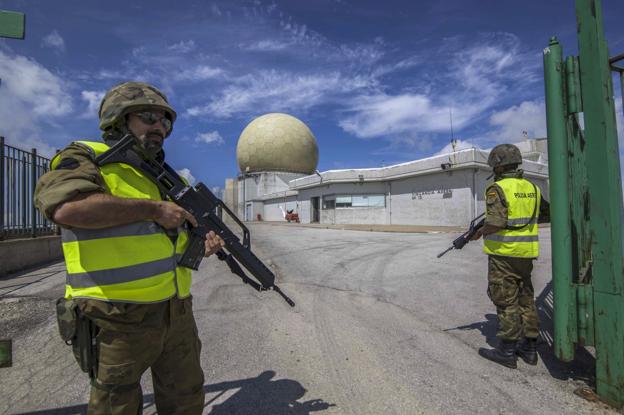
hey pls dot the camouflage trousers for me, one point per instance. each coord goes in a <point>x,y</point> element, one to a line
<point>511,291</point>
<point>135,337</point>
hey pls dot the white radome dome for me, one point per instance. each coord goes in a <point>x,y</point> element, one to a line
<point>277,142</point>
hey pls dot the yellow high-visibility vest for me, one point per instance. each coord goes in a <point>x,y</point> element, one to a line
<point>520,238</point>
<point>136,262</point>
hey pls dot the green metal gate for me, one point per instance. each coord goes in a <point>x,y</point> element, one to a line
<point>586,202</point>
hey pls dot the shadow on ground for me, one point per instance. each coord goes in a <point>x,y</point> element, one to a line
<point>487,328</point>
<point>260,395</point>
<point>582,368</point>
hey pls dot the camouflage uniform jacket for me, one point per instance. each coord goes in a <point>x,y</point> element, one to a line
<point>75,173</point>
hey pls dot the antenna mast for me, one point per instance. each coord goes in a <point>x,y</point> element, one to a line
<point>451,117</point>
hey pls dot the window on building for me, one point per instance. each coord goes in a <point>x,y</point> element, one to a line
<point>329,204</point>
<point>343,201</point>
<point>359,201</point>
<point>377,201</point>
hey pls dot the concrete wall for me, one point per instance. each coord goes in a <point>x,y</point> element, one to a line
<point>246,191</point>
<point>439,199</point>
<point>272,182</point>
<point>444,198</point>
<point>256,185</point>
<point>230,198</point>
<point>254,209</point>
<point>343,215</point>
<point>447,198</point>
<point>304,210</point>
<point>374,215</point>
<point>305,206</point>
<point>230,194</point>
<point>20,254</point>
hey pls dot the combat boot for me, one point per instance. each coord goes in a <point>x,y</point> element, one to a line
<point>527,350</point>
<point>504,354</point>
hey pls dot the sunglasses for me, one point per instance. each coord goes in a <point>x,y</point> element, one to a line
<point>151,118</point>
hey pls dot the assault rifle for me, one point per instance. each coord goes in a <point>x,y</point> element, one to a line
<point>461,241</point>
<point>203,205</point>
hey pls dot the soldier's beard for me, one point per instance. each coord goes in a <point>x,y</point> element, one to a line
<point>150,147</point>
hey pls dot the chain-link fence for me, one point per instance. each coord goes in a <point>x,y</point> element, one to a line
<point>19,172</point>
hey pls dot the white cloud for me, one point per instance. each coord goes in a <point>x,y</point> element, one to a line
<point>478,78</point>
<point>495,64</point>
<point>139,52</point>
<point>93,98</point>
<point>182,46</point>
<point>367,53</point>
<point>266,46</point>
<point>198,73</point>
<point>297,38</point>
<point>388,68</point>
<point>28,82</point>
<point>54,41</point>
<point>480,64</point>
<point>459,145</point>
<point>299,33</point>
<point>107,74</point>
<point>402,147</point>
<point>31,98</point>
<point>277,91</point>
<point>529,116</point>
<point>186,173</point>
<point>209,138</point>
<point>215,9</point>
<point>381,115</point>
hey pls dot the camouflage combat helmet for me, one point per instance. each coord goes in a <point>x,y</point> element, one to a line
<point>504,155</point>
<point>128,97</point>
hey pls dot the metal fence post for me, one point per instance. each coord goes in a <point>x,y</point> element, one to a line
<point>1,188</point>
<point>564,303</point>
<point>22,200</point>
<point>33,183</point>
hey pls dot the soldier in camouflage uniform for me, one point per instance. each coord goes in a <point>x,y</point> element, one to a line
<point>513,208</point>
<point>140,311</point>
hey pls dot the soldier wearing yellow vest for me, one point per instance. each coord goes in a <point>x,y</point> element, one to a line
<point>121,241</point>
<point>513,207</point>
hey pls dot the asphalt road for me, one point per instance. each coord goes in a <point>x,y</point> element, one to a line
<point>381,326</point>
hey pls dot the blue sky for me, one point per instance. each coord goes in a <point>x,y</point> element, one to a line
<point>374,80</point>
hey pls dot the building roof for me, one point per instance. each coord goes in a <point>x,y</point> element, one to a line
<point>462,159</point>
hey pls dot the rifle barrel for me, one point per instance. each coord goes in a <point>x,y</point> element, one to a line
<point>442,253</point>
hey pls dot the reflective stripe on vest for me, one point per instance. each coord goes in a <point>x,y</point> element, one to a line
<point>136,262</point>
<point>521,221</point>
<point>522,201</point>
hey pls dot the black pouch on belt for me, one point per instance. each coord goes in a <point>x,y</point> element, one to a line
<point>79,332</point>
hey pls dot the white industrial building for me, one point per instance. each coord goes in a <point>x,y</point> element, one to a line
<point>444,190</point>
